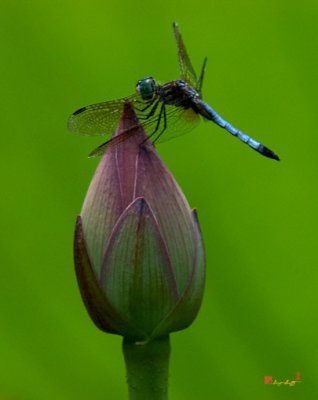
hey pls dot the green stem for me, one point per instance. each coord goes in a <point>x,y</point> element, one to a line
<point>147,367</point>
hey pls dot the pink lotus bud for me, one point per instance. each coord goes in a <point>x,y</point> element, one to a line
<point>138,249</point>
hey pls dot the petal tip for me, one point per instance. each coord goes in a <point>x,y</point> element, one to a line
<point>195,217</point>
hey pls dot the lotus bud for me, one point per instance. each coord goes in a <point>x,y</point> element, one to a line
<point>139,254</point>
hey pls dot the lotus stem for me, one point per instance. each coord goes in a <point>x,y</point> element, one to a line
<point>147,367</point>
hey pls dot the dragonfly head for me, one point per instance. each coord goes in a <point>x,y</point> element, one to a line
<point>146,88</point>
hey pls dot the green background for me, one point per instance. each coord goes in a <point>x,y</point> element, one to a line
<point>258,217</point>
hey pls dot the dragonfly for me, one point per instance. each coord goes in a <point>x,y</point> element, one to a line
<point>165,110</point>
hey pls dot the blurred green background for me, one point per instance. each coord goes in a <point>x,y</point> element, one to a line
<point>258,217</point>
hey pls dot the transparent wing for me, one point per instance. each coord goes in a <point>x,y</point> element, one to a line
<point>186,69</point>
<point>114,141</point>
<point>99,151</point>
<point>200,80</point>
<point>163,126</point>
<point>98,119</point>
<point>178,122</point>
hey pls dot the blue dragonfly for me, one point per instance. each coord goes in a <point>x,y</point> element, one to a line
<point>165,110</point>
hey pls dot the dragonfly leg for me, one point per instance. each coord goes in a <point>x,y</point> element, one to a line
<point>163,111</point>
<point>151,113</point>
<point>147,106</point>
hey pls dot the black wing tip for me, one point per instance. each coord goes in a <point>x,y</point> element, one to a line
<point>79,111</point>
<point>95,153</point>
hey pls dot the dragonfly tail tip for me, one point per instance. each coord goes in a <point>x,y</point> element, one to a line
<point>274,156</point>
<point>268,153</point>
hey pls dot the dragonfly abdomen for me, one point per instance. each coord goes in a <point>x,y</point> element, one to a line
<point>207,112</point>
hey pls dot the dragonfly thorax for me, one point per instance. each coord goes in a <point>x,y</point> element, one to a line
<point>177,93</point>
<point>146,88</point>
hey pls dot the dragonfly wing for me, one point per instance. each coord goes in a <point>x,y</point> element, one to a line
<point>99,151</point>
<point>179,121</point>
<point>186,69</point>
<point>97,119</point>
<point>115,141</point>
<point>200,80</point>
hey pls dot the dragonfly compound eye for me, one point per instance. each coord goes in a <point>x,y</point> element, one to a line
<point>146,88</point>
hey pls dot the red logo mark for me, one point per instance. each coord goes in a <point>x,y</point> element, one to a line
<point>268,380</point>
